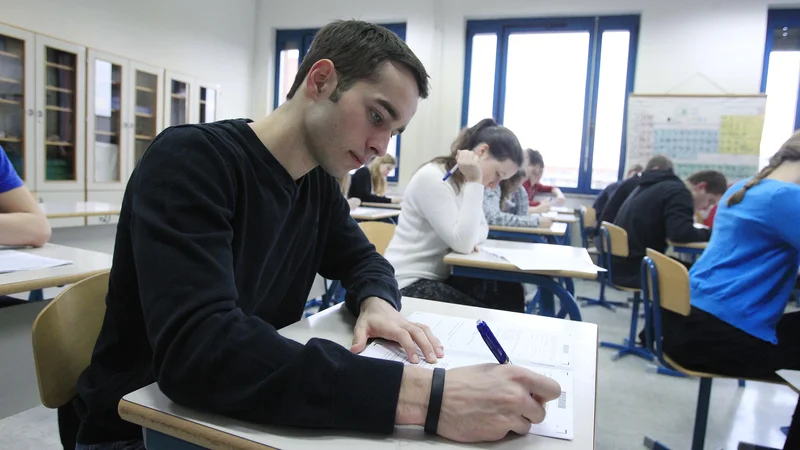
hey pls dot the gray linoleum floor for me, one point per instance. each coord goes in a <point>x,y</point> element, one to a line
<point>631,403</point>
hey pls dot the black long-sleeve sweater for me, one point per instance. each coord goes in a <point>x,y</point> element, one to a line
<point>361,187</point>
<point>217,247</point>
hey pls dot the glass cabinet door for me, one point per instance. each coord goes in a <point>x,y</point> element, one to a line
<point>146,115</point>
<point>107,121</point>
<point>208,104</point>
<point>16,92</point>
<point>178,94</point>
<point>60,115</point>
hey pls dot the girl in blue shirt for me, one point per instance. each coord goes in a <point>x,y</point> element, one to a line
<point>741,284</point>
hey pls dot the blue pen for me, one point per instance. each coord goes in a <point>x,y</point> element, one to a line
<point>492,343</point>
<point>450,172</point>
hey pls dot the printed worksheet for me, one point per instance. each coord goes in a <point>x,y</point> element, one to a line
<point>546,352</point>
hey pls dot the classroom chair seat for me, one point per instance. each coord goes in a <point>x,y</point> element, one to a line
<point>665,284</point>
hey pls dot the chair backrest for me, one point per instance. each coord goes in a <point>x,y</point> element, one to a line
<point>589,217</point>
<point>673,283</point>
<point>379,233</point>
<point>64,335</point>
<point>618,238</point>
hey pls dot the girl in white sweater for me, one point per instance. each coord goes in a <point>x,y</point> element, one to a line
<point>438,216</point>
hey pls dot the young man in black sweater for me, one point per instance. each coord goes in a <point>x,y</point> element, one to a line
<point>222,230</point>
<point>662,207</point>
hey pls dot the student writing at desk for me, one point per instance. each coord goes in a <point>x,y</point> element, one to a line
<point>740,287</point>
<point>533,186</point>
<point>369,182</point>
<point>439,215</point>
<point>507,205</point>
<point>662,207</point>
<point>222,230</point>
<point>344,187</point>
<point>608,213</point>
<point>22,222</point>
<point>602,199</point>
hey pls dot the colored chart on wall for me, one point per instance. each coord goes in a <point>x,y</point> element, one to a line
<point>698,132</point>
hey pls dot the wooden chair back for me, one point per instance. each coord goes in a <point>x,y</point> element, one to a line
<point>589,217</point>
<point>64,335</point>
<point>379,233</point>
<point>673,283</point>
<point>619,240</point>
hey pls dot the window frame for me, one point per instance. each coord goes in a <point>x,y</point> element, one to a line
<point>779,18</point>
<point>595,25</point>
<point>305,36</point>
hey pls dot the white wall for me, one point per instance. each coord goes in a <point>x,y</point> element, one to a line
<point>208,39</point>
<point>679,40</point>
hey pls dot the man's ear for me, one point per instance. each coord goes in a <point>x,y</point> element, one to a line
<point>321,80</point>
<point>701,186</point>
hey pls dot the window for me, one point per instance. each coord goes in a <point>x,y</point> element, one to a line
<point>292,48</point>
<point>561,85</point>
<point>780,81</point>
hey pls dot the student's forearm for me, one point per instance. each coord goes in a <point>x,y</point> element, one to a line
<point>23,229</point>
<point>557,193</point>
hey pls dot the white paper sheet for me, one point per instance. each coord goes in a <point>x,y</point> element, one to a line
<point>540,257</point>
<point>558,227</point>
<point>544,351</point>
<point>14,261</point>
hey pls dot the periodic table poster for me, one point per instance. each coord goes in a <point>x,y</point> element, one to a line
<point>698,132</point>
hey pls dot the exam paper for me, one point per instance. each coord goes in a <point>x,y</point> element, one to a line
<point>14,261</point>
<point>540,257</point>
<point>546,352</point>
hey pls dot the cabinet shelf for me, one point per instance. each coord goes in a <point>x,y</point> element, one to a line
<point>179,96</point>
<point>58,143</point>
<point>144,89</point>
<point>9,80</point>
<point>59,66</point>
<point>59,89</point>
<point>144,137</point>
<point>10,55</point>
<point>9,102</point>
<point>145,115</point>
<point>105,133</point>
<point>59,109</point>
<point>10,139</point>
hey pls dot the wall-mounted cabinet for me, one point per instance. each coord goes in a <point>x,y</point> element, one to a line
<point>74,123</point>
<point>124,115</point>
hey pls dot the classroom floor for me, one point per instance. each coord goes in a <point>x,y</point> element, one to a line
<point>631,403</point>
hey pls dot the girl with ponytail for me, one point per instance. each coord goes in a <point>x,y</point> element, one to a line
<point>742,282</point>
<point>441,215</point>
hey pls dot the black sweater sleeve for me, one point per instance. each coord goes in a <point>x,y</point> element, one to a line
<point>613,205</point>
<point>207,353</point>
<point>350,257</point>
<point>361,187</point>
<point>679,217</point>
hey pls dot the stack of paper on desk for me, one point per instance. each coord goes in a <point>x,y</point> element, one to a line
<point>543,351</point>
<point>542,257</point>
<point>14,261</point>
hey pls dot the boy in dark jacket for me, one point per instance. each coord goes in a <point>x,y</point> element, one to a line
<point>662,207</point>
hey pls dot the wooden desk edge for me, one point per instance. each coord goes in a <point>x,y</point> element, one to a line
<point>508,267</point>
<point>81,214</point>
<point>382,205</point>
<point>524,230</point>
<point>32,285</point>
<point>697,245</point>
<point>184,429</point>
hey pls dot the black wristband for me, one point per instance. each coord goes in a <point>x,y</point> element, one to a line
<point>435,402</point>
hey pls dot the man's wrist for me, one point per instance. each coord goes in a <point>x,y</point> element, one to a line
<point>415,392</point>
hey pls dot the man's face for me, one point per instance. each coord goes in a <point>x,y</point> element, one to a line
<point>344,135</point>
<point>702,198</point>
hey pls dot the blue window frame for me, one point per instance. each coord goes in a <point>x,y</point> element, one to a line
<point>781,79</point>
<point>542,77</point>
<point>292,46</point>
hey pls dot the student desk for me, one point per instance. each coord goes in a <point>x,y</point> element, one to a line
<point>527,234</point>
<point>560,217</point>
<point>383,205</point>
<point>491,267</point>
<point>563,210</point>
<point>79,209</point>
<point>362,213</point>
<point>169,426</point>
<point>85,264</point>
<point>688,248</point>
